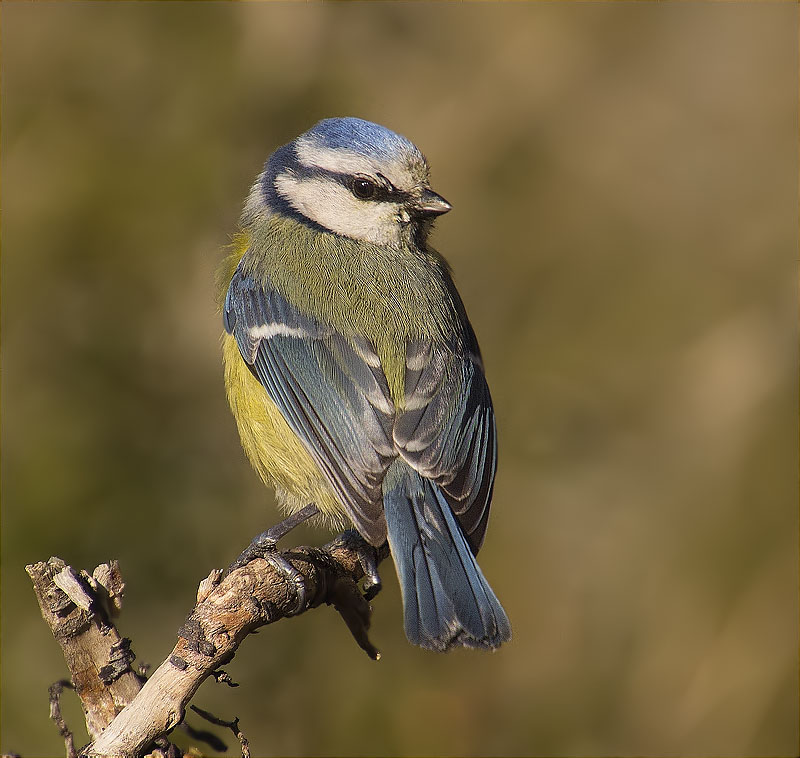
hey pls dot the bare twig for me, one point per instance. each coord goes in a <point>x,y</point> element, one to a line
<point>55,714</point>
<point>223,677</point>
<point>203,735</point>
<point>229,607</point>
<point>232,725</point>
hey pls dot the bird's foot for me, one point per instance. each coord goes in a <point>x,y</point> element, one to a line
<point>265,546</point>
<point>369,557</point>
<point>351,600</point>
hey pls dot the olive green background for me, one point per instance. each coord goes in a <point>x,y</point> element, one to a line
<point>624,235</point>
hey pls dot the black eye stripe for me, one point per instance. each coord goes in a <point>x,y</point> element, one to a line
<point>384,190</point>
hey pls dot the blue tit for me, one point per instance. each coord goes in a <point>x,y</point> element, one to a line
<point>354,374</point>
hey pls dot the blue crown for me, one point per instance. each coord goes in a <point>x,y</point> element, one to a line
<point>361,136</point>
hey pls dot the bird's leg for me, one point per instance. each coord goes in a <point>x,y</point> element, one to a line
<point>265,546</point>
<point>279,531</point>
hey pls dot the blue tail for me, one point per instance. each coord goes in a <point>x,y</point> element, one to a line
<point>446,600</point>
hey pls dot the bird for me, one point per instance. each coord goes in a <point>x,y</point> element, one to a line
<point>353,373</point>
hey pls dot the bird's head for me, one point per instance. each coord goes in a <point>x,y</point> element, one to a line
<point>353,178</point>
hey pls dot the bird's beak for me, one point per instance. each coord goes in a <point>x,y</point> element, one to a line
<point>431,204</point>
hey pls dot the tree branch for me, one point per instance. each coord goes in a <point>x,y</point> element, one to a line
<point>124,717</point>
<point>78,609</point>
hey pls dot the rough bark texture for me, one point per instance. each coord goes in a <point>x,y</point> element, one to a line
<point>124,717</point>
<point>78,609</point>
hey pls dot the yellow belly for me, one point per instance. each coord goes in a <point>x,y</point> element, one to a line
<point>276,453</point>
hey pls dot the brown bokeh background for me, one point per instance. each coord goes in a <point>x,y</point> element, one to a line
<point>624,234</point>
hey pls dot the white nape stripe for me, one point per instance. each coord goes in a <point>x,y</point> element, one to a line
<point>255,209</point>
<point>268,331</point>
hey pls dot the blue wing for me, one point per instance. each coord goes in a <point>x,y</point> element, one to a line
<point>447,428</point>
<point>330,389</point>
<point>333,394</point>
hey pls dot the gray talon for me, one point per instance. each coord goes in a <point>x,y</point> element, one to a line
<point>265,546</point>
<point>281,565</point>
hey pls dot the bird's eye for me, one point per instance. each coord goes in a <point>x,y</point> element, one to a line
<point>363,188</point>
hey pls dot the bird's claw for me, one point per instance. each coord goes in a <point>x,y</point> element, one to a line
<point>368,558</point>
<point>265,546</point>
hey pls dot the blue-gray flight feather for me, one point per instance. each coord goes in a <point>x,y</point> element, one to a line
<point>447,432</point>
<point>447,600</point>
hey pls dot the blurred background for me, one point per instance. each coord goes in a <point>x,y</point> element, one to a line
<point>624,235</point>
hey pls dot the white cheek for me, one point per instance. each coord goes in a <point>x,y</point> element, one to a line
<point>333,206</point>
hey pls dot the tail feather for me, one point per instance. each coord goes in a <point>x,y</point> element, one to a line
<point>446,599</point>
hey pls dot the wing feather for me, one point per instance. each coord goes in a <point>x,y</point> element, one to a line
<point>446,429</point>
<point>333,393</point>
<point>329,389</point>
